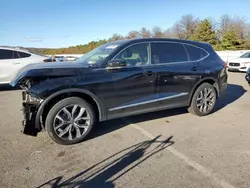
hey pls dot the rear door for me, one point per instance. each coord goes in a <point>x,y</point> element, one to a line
<point>9,65</point>
<point>176,73</point>
<point>24,58</point>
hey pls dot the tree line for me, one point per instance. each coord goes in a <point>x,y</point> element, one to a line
<point>229,33</point>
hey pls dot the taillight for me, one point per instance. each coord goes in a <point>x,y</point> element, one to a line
<point>225,65</point>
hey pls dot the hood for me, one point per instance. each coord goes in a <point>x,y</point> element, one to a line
<point>51,69</point>
<point>240,60</point>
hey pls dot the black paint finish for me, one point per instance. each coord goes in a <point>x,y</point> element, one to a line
<point>248,76</point>
<point>125,91</point>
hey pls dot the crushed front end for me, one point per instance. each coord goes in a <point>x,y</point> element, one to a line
<point>30,105</point>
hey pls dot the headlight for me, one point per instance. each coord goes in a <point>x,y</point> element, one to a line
<point>31,98</point>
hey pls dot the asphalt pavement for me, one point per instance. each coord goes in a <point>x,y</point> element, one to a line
<point>169,148</point>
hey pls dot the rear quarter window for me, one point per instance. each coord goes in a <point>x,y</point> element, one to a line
<point>23,55</point>
<point>195,53</point>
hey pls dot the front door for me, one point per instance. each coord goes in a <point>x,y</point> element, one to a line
<point>133,88</point>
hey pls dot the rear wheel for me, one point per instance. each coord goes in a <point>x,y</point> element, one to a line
<point>204,100</point>
<point>70,120</point>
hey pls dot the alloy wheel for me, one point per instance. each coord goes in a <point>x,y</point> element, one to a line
<point>206,100</point>
<point>71,122</point>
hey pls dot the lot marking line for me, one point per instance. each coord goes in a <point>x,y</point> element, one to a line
<point>203,170</point>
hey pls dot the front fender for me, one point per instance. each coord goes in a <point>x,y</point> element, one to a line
<point>50,86</point>
<point>100,105</point>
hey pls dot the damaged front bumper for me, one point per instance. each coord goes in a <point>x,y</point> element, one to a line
<point>30,108</point>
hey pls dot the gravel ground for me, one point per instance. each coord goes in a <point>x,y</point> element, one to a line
<point>164,149</point>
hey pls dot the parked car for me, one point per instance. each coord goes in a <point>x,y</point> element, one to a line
<point>60,58</point>
<point>70,58</point>
<point>119,79</point>
<point>12,60</point>
<point>248,76</point>
<point>241,63</point>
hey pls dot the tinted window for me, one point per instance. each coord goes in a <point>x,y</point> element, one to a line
<point>168,52</point>
<point>195,53</point>
<point>135,55</point>
<point>16,55</point>
<point>6,54</point>
<point>23,55</point>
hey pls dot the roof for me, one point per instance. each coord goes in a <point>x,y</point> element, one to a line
<point>128,41</point>
<point>13,48</point>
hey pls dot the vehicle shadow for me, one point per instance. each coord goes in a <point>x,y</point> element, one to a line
<point>106,127</point>
<point>232,94</point>
<point>104,173</point>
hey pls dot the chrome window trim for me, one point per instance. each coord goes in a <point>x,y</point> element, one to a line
<point>158,64</point>
<point>186,51</point>
<point>147,102</point>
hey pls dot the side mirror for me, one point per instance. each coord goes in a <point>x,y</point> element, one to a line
<point>117,63</point>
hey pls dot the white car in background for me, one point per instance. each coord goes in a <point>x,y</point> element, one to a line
<point>241,63</point>
<point>70,58</point>
<point>13,59</point>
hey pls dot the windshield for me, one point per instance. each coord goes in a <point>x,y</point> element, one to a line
<point>98,55</point>
<point>246,55</point>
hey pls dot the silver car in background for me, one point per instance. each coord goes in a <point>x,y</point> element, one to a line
<point>241,64</point>
<point>13,59</point>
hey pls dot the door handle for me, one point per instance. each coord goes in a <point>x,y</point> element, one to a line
<point>17,63</point>
<point>194,69</point>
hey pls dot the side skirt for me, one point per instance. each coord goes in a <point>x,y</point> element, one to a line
<point>159,108</point>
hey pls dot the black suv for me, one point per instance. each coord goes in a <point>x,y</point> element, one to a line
<point>248,76</point>
<point>118,79</point>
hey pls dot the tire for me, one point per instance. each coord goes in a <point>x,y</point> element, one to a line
<point>196,104</point>
<point>60,122</point>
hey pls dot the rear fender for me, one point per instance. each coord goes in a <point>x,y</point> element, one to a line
<point>204,80</point>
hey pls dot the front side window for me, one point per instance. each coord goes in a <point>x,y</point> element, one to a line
<point>135,55</point>
<point>195,53</point>
<point>6,54</point>
<point>167,52</point>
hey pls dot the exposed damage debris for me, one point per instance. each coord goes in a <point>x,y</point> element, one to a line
<point>30,108</point>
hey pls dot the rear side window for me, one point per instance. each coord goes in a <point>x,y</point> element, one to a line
<point>6,54</point>
<point>167,52</point>
<point>23,55</point>
<point>195,53</point>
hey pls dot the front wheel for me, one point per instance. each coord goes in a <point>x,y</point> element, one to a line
<point>204,100</point>
<point>70,120</point>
